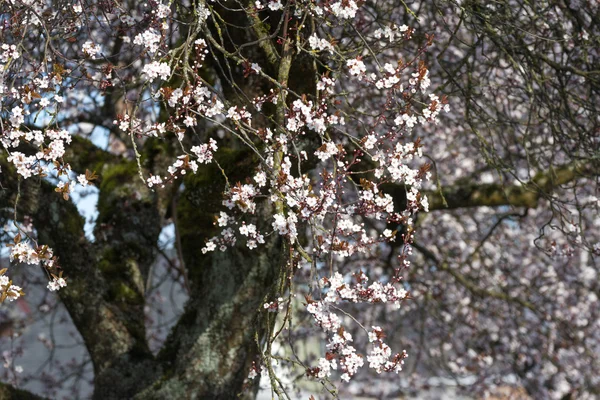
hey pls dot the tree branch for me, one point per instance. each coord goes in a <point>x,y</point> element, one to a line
<point>493,195</point>
<point>469,285</point>
<point>8,392</point>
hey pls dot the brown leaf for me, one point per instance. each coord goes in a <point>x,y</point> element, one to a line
<point>308,299</point>
<point>90,176</point>
<point>58,69</point>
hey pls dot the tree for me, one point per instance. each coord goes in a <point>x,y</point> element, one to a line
<point>291,147</point>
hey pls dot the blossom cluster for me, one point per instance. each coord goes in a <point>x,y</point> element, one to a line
<point>339,347</point>
<point>8,52</point>
<point>7,289</point>
<point>91,49</point>
<point>23,252</point>
<point>392,32</point>
<point>275,306</point>
<point>273,5</point>
<point>157,69</point>
<point>37,152</point>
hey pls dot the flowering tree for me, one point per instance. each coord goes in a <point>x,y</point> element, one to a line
<point>290,149</point>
